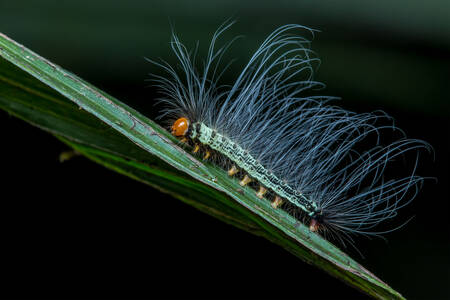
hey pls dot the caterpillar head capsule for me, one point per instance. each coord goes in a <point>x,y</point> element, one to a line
<point>180,127</point>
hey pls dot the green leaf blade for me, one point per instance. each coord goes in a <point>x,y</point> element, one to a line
<point>158,161</point>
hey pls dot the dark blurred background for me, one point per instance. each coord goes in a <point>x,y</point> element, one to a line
<point>77,230</point>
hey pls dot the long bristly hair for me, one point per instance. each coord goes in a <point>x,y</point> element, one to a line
<point>336,158</point>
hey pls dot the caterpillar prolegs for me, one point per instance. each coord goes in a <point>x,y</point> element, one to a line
<point>329,163</point>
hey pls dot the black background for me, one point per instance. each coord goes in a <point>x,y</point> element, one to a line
<point>77,230</point>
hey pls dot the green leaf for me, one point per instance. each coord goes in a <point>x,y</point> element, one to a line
<point>127,142</point>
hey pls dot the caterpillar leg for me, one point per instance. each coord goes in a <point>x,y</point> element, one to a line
<point>277,202</point>
<point>262,190</point>
<point>196,148</point>
<point>246,180</point>
<point>233,170</point>
<point>207,155</point>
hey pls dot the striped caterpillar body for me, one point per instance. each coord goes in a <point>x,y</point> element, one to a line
<point>255,169</point>
<point>309,154</point>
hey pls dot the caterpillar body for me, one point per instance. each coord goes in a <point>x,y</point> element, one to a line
<point>305,152</point>
<point>255,169</point>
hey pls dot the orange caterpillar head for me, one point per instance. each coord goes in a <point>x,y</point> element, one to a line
<point>180,127</point>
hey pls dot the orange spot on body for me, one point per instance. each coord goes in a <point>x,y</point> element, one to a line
<point>180,127</point>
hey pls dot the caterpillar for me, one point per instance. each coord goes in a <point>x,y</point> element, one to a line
<point>308,155</point>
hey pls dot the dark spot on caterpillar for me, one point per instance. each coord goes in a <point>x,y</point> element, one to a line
<point>240,191</point>
<point>197,129</point>
<point>189,131</point>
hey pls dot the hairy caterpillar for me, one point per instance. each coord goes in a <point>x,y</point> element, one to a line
<point>301,150</point>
